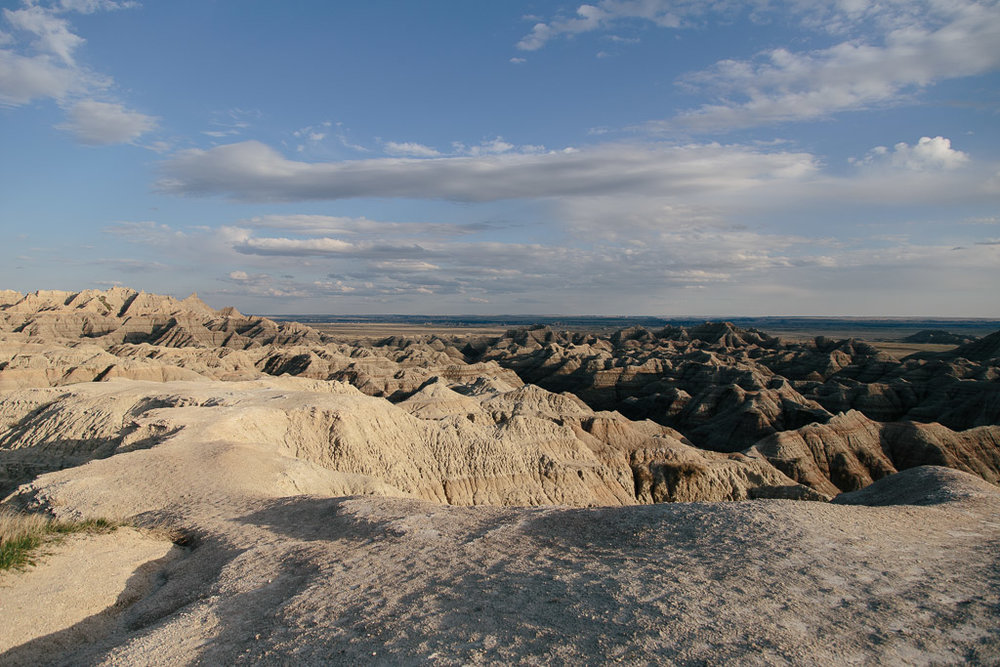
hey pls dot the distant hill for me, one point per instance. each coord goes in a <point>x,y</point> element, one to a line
<point>938,337</point>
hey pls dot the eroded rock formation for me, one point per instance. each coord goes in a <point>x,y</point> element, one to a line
<point>536,416</point>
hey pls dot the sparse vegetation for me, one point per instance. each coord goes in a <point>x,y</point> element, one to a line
<point>21,534</point>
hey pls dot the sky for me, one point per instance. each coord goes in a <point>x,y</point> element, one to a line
<point>644,157</point>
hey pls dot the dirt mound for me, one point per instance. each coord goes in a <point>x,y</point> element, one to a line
<point>924,485</point>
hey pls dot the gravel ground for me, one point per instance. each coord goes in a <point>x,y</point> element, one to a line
<point>911,577</point>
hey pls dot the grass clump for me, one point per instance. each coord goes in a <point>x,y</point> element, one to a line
<point>21,534</point>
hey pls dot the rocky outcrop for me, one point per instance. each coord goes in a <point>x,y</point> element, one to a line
<point>850,451</point>
<point>711,412</point>
<point>120,315</point>
<point>484,443</point>
<point>725,388</point>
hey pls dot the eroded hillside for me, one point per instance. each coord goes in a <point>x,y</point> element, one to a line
<point>535,416</point>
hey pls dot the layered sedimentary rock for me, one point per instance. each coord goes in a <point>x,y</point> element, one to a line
<point>726,388</point>
<point>850,451</point>
<point>484,443</point>
<point>123,315</point>
<point>712,412</point>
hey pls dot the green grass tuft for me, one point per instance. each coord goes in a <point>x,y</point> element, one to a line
<point>21,534</point>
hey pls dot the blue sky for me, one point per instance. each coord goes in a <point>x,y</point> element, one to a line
<point>696,157</point>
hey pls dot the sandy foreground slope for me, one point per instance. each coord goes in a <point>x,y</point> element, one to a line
<point>910,577</point>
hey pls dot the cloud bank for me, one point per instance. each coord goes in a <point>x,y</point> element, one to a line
<point>422,270</point>
<point>253,171</point>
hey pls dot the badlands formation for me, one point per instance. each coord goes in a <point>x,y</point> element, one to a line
<point>539,497</point>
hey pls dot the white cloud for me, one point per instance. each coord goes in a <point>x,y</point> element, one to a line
<point>405,265</point>
<point>642,269</point>
<point>91,6</point>
<point>344,226</point>
<point>493,146</point>
<point>294,247</point>
<point>24,79</point>
<point>52,33</point>
<point>101,123</point>
<point>253,171</point>
<point>53,73</point>
<point>926,154</point>
<point>50,71</point>
<point>889,50</point>
<point>609,13</point>
<point>409,148</point>
<point>962,40</point>
<point>624,40</point>
<point>929,153</point>
<point>536,39</point>
<point>603,15</point>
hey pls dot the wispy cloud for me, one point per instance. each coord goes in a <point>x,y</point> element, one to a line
<point>27,78</point>
<point>91,6</point>
<point>606,15</point>
<point>494,146</point>
<point>354,227</point>
<point>782,85</point>
<point>232,122</point>
<point>128,265</point>
<point>46,67</point>
<point>254,171</point>
<point>101,123</point>
<point>643,266</point>
<point>409,149</point>
<point>887,52</point>
<point>51,32</point>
